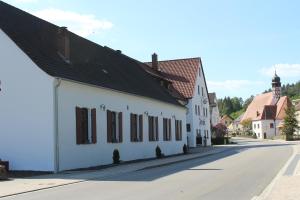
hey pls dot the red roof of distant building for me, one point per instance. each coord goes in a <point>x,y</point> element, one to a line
<point>181,72</point>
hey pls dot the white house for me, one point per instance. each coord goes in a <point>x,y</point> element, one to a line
<point>297,107</point>
<point>267,111</point>
<point>213,108</point>
<point>187,83</point>
<point>66,102</point>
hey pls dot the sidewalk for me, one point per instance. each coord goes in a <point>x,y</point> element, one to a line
<point>286,185</point>
<point>18,186</point>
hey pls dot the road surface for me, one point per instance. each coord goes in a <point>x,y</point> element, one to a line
<point>239,173</point>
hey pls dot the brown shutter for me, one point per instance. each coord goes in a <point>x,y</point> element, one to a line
<point>141,127</point>
<point>78,125</point>
<point>150,128</point>
<point>85,126</point>
<point>109,126</point>
<point>131,127</point>
<point>94,126</point>
<point>120,127</point>
<point>156,121</point>
<point>170,129</point>
<point>180,129</point>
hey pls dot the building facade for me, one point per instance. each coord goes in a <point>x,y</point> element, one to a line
<point>214,109</point>
<point>68,103</point>
<point>186,82</point>
<point>267,111</point>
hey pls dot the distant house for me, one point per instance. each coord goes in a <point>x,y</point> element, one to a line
<point>67,102</point>
<point>213,109</point>
<point>226,120</point>
<point>267,111</point>
<point>236,125</point>
<point>185,80</point>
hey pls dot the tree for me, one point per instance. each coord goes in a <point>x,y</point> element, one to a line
<point>290,123</point>
<point>247,124</point>
<point>219,130</point>
<point>247,102</point>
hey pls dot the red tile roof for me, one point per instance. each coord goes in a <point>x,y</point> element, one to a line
<point>261,107</point>
<point>182,73</point>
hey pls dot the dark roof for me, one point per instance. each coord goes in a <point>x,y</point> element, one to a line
<point>90,62</point>
<point>269,112</point>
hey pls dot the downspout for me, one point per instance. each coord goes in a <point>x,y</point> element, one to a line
<point>57,82</point>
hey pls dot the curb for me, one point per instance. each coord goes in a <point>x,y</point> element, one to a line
<point>183,160</point>
<point>144,168</point>
<point>266,192</point>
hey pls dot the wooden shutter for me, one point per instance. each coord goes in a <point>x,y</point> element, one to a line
<point>85,126</point>
<point>109,126</point>
<point>131,127</point>
<point>120,127</point>
<point>150,128</point>
<point>78,125</point>
<point>141,127</point>
<point>170,130</point>
<point>156,121</point>
<point>94,126</point>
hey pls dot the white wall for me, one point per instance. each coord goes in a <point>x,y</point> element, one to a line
<point>26,111</point>
<point>192,118</point>
<point>215,115</point>
<point>72,155</point>
<point>264,127</point>
<point>298,118</point>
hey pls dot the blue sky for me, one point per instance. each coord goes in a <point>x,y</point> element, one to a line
<point>240,42</point>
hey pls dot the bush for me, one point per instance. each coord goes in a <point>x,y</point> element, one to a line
<point>220,140</point>
<point>116,156</point>
<point>185,149</point>
<point>3,173</point>
<point>158,152</point>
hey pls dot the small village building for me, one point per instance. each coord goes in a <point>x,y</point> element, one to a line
<point>267,111</point>
<point>67,102</point>
<point>226,120</point>
<point>213,109</point>
<point>236,126</point>
<point>186,82</point>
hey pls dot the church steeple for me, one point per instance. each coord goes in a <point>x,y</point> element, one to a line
<point>276,88</point>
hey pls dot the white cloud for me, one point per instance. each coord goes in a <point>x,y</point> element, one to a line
<point>232,85</point>
<point>283,70</point>
<point>83,25</point>
<point>26,1</point>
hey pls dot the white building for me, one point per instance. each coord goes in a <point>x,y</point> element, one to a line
<point>267,111</point>
<point>68,103</point>
<point>213,108</point>
<point>187,83</point>
<point>297,107</point>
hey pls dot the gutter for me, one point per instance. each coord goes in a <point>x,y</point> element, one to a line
<point>57,82</point>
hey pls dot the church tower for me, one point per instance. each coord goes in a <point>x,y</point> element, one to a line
<point>276,88</point>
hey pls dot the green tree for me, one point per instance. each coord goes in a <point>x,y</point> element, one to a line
<point>247,102</point>
<point>290,124</point>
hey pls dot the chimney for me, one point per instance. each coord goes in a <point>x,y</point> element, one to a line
<point>155,62</point>
<point>63,43</point>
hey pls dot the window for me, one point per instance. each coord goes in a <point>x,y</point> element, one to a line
<point>136,128</point>
<point>178,130</point>
<point>195,109</point>
<point>114,127</point>
<point>257,125</point>
<point>167,129</point>
<point>86,129</point>
<point>153,128</point>
<point>188,127</point>
<point>203,111</point>
<point>202,90</point>
<point>254,126</point>
<point>271,125</point>
<point>198,89</point>
<point>199,72</point>
<point>198,110</point>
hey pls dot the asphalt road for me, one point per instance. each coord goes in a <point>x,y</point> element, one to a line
<point>239,173</point>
